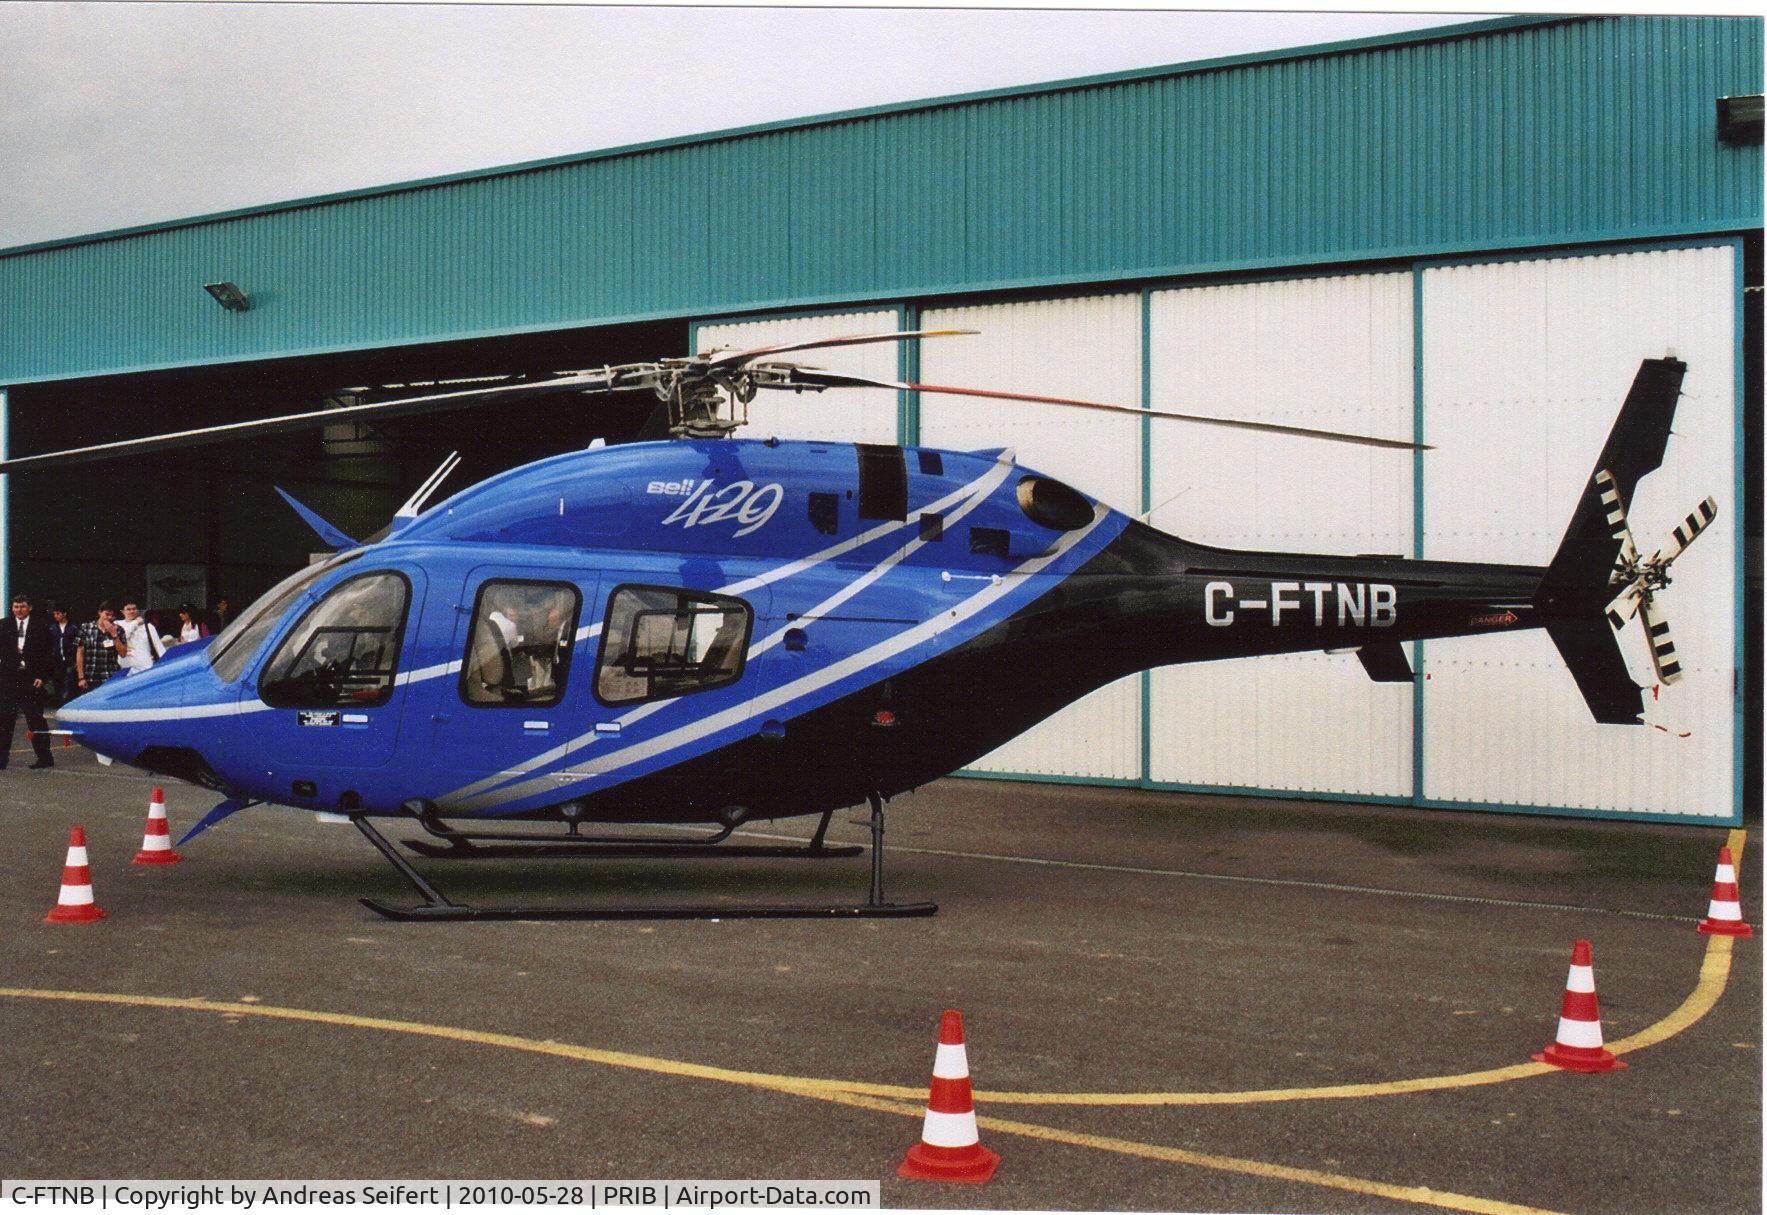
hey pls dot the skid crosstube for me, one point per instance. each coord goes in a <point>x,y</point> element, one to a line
<point>456,912</point>
<point>588,850</point>
<point>466,845</point>
<point>438,907</point>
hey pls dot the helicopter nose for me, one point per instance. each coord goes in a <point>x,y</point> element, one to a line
<point>122,716</point>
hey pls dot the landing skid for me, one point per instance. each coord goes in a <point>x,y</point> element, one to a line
<point>464,845</point>
<point>437,906</point>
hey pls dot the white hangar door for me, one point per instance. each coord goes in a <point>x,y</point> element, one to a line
<point>1525,365</point>
<point>1334,353</point>
<point>850,415</point>
<point>1088,348</point>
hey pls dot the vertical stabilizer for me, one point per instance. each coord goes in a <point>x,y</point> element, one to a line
<point>1579,584</point>
<point>1584,564</point>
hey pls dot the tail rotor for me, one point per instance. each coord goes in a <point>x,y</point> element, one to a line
<point>1639,579</point>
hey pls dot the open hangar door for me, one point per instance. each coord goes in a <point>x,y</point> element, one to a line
<point>206,521</point>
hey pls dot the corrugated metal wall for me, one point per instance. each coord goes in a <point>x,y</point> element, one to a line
<point>1524,365</point>
<point>1533,131</point>
<point>1334,353</point>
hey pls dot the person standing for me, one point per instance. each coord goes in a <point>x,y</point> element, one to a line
<point>27,663</point>
<point>97,657</point>
<point>189,627</point>
<point>67,640</point>
<point>220,615</point>
<point>141,646</point>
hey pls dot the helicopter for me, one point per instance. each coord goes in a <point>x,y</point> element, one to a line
<point>703,631</point>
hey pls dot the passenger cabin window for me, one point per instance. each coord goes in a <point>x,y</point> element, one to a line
<point>345,651</point>
<point>519,649</point>
<point>660,642</point>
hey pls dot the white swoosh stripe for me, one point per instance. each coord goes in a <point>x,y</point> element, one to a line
<point>979,489</point>
<point>833,673</point>
<point>808,618</point>
<point>184,713</point>
<point>441,669</point>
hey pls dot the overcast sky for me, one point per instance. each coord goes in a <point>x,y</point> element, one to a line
<point>116,114</point>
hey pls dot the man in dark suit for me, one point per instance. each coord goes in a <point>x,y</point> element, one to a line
<point>27,662</point>
<point>67,639</point>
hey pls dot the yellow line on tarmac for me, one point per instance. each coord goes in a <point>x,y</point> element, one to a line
<point>1714,974</point>
<point>818,1090</point>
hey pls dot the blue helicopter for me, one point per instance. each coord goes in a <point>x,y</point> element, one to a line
<point>711,631</point>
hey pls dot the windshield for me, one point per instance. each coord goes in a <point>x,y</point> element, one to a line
<point>236,644</point>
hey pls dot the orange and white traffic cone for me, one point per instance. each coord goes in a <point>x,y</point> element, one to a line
<point>1578,1047</point>
<point>950,1149</point>
<point>156,842</point>
<point>75,906</point>
<point>1724,915</point>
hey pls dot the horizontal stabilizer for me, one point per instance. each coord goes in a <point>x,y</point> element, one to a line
<point>1385,662</point>
<point>324,530</point>
<point>1590,649</point>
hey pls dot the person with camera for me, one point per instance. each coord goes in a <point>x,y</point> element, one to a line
<point>99,655</point>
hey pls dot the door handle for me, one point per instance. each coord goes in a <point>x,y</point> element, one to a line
<point>438,717</point>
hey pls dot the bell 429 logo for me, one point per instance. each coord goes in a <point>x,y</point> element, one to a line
<point>740,502</point>
<point>1374,604</point>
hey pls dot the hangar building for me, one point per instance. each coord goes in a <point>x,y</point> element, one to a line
<point>1468,236</point>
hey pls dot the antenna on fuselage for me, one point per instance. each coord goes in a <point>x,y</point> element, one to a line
<point>433,482</point>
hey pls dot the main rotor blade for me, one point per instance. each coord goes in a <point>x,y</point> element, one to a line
<point>587,381</point>
<point>836,379</point>
<point>736,358</point>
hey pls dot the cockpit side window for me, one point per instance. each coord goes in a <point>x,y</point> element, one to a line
<point>519,647</point>
<point>238,643</point>
<point>660,642</point>
<point>345,651</point>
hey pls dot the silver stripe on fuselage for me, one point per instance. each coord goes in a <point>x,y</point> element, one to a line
<point>978,490</point>
<point>183,713</point>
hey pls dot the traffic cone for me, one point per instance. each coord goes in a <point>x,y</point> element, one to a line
<point>75,905</point>
<point>1724,915</point>
<point>1579,1048</point>
<point>156,843</point>
<point>949,1147</point>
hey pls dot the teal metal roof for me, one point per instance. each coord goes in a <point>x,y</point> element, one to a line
<point>1512,133</point>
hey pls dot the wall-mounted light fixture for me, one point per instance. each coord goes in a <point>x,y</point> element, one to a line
<point>1739,119</point>
<point>228,296</point>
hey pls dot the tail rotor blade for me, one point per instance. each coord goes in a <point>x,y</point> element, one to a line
<point>1625,606</point>
<point>1615,506</point>
<point>1662,645</point>
<point>1688,530</point>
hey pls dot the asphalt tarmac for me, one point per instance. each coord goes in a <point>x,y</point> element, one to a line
<point>1173,959</point>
